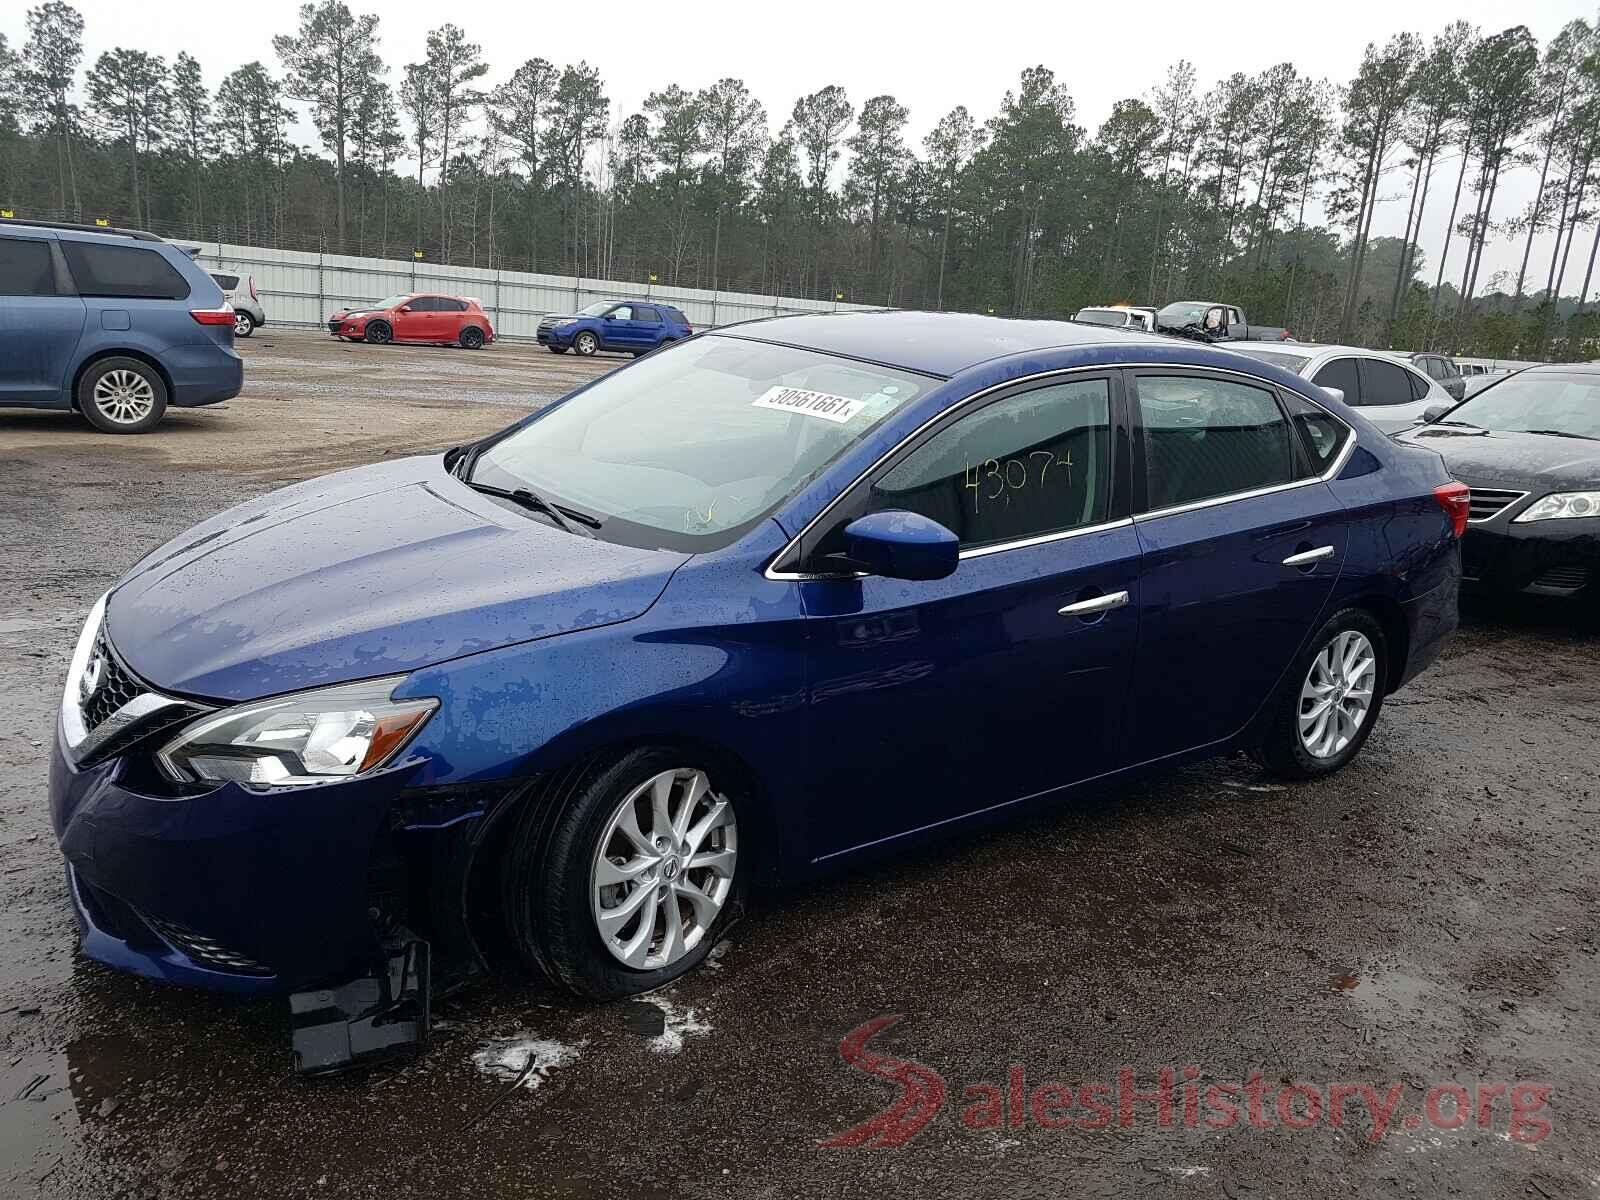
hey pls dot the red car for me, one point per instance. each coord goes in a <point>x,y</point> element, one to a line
<point>416,317</point>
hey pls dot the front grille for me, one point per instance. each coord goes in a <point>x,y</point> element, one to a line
<point>208,952</point>
<point>1486,502</point>
<point>1563,579</point>
<point>116,688</point>
<point>335,326</point>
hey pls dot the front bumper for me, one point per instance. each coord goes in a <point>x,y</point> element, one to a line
<point>346,328</point>
<point>551,336</point>
<point>232,890</point>
<point>1540,558</point>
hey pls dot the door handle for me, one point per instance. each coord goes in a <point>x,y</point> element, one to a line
<point>1306,557</point>
<point>1095,604</point>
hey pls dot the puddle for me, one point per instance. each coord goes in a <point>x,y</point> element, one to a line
<point>39,1117</point>
<point>681,1022</point>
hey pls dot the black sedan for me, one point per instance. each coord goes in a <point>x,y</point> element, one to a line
<point>1528,447</point>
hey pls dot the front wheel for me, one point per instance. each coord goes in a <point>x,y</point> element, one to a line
<point>636,880</point>
<point>379,333</point>
<point>1326,706</point>
<point>122,395</point>
<point>586,343</point>
<point>555,349</point>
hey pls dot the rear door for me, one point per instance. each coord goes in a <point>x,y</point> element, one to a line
<point>41,321</point>
<point>452,316</point>
<point>648,318</point>
<point>1242,543</point>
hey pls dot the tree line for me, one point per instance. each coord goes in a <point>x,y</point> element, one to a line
<point>1261,189</point>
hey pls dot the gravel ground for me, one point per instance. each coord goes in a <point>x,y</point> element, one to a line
<point>1425,918</point>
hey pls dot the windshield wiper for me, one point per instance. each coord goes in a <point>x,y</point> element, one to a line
<point>1463,424</point>
<point>559,513</point>
<point>1564,433</point>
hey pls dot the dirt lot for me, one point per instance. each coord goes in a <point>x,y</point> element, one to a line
<point>1428,917</point>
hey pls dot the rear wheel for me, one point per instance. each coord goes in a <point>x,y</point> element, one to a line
<point>586,343</point>
<point>636,879</point>
<point>1326,706</point>
<point>243,324</point>
<point>471,338</point>
<point>122,395</point>
<point>379,333</point>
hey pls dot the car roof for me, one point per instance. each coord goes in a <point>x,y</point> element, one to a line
<point>931,343</point>
<point>1583,368</point>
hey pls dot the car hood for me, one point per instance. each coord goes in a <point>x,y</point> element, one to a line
<point>368,572</point>
<point>1526,462</point>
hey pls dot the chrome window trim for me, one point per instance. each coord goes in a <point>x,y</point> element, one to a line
<point>779,576</point>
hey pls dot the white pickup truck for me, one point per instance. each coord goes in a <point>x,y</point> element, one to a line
<point>1118,316</point>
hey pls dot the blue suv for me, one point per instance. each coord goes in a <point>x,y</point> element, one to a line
<point>117,324</point>
<point>634,326</point>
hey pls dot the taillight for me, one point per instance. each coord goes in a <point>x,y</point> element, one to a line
<point>213,316</point>
<point>1456,500</point>
<point>253,295</point>
<point>1286,336</point>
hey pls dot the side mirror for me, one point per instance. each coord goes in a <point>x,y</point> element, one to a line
<point>1434,411</point>
<point>405,308</point>
<point>902,545</point>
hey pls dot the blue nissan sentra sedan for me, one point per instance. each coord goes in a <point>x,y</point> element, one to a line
<point>772,600</point>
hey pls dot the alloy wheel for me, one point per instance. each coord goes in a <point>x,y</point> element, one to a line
<point>242,324</point>
<point>663,869</point>
<point>124,397</point>
<point>587,344</point>
<point>1337,693</point>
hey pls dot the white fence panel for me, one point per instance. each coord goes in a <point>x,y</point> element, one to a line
<point>298,288</point>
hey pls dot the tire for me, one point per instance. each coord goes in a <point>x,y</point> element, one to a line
<point>471,338</point>
<point>553,894</point>
<point>586,343</point>
<point>243,324</point>
<point>378,333</point>
<point>122,395</point>
<point>554,349</point>
<point>1328,747</point>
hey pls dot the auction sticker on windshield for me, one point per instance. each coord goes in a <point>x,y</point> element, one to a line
<point>837,409</point>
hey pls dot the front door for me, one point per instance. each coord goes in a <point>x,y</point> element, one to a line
<point>617,329</point>
<point>934,700</point>
<point>39,326</point>
<point>414,320</point>
<point>1242,543</point>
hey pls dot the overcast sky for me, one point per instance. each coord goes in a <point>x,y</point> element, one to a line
<point>931,56</point>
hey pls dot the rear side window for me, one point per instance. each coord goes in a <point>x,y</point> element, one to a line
<point>1210,437</point>
<point>645,313</point>
<point>1384,383</point>
<point>1419,385</point>
<point>1321,434</point>
<point>25,268</point>
<point>227,283</point>
<point>1027,465</point>
<point>445,304</point>
<point>1341,374</point>
<point>123,272</point>
<point>673,315</point>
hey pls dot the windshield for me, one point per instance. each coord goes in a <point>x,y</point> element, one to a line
<point>1289,362</point>
<point>598,308</point>
<point>391,302</point>
<point>687,449</point>
<point>1535,402</point>
<point>1101,316</point>
<point>1183,313</point>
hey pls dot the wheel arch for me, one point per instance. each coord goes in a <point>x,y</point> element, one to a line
<point>100,354</point>
<point>1396,636</point>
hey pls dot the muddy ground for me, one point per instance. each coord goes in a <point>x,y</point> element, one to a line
<point>1427,917</point>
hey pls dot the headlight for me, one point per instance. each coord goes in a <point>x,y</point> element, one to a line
<point>81,681</point>
<point>1562,504</point>
<point>332,733</point>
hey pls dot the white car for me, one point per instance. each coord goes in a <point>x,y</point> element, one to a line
<point>1389,391</point>
<point>1118,316</point>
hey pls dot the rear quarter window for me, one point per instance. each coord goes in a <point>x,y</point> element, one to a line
<point>123,272</point>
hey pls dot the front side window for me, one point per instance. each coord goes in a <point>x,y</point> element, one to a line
<point>621,312</point>
<point>1340,373</point>
<point>1384,383</point>
<point>1208,437</point>
<point>123,272</point>
<point>1028,465</point>
<point>25,268</point>
<point>689,448</point>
